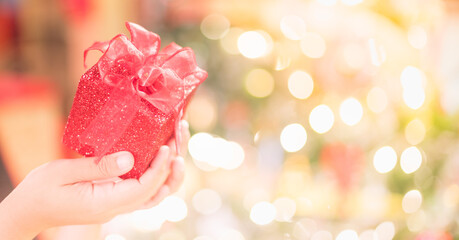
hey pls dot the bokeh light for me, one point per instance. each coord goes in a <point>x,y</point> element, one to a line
<point>229,42</point>
<point>348,235</point>
<point>412,201</point>
<point>259,83</point>
<point>174,208</point>
<point>206,201</point>
<point>263,213</point>
<point>293,137</point>
<point>351,111</point>
<point>410,160</point>
<point>415,131</point>
<point>385,231</point>
<point>313,45</point>
<point>253,44</point>
<point>385,159</point>
<point>377,100</point>
<point>285,209</point>
<point>413,82</point>
<point>202,113</point>
<point>215,26</point>
<point>300,84</point>
<point>293,27</point>
<point>216,151</point>
<point>321,119</point>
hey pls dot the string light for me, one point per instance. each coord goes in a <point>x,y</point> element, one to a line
<point>300,84</point>
<point>385,159</point>
<point>351,111</point>
<point>347,235</point>
<point>293,137</point>
<point>253,44</point>
<point>263,213</point>
<point>410,160</point>
<point>321,119</point>
<point>412,201</point>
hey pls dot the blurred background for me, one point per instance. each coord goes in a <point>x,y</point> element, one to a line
<point>320,119</point>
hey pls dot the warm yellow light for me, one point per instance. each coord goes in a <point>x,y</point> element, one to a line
<point>347,235</point>
<point>412,201</point>
<point>321,119</point>
<point>411,160</point>
<point>293,27</point>
<point>207,201</point>
<point>285,209</point>
<point>263,213</point>
<point>417,37</point>
<point>259,83</point>
<point>293,137</point>
<point>385,159</point>
<point>385,231</point>
<point>300,84</point>
<point>451,196</point>
<point>313,45</point>
<point>215,26</point>
<point>351,111</point>
<point>253,44</point>
<point>229,41</point>
<point>377,100</point>
<point>415,132</point>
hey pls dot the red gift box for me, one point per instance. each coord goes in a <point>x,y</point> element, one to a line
<point>133,98</point>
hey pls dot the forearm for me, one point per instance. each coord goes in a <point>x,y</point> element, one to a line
<point>16,222</point>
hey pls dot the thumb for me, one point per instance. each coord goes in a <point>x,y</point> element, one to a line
<point>86,169</point>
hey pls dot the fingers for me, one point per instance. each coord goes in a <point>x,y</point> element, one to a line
<point>86,169</point>
<point>172,184</point>
<point>131,192</point>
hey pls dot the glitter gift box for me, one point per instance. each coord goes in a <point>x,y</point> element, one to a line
<point>133,98</point>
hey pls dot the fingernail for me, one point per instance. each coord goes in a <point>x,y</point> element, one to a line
<point>124,160</point>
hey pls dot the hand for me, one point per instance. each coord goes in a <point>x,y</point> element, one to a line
<point>76,191</point>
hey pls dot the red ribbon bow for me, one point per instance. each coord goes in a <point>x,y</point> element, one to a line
<point>138,70</point>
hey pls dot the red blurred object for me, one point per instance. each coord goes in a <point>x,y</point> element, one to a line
<point>30,123</point>
<point>6,26</point>
<point>345,162</point>
<point>434,236</point>
<point>132,99</point>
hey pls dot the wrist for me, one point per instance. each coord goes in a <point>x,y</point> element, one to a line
<point>16,221</point>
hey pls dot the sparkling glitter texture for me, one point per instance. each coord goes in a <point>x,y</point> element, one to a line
<point>132,98</point>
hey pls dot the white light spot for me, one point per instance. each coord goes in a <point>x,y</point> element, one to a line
<point>321,119</point>
<point>385,159</point>
<point>263,213</point>
<point>351,111</point>
<point>293,137</point>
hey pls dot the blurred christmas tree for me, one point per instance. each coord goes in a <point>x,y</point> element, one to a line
<point>319,120</point>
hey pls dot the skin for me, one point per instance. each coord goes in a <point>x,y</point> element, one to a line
<point>79,191</point>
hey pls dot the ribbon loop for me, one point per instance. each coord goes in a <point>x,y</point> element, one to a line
<point>137,70</point>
